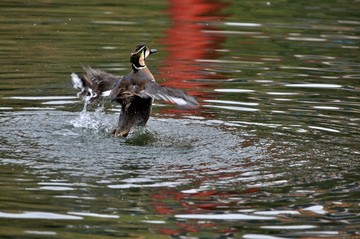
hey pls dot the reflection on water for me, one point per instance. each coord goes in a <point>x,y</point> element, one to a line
<point>272,152</point>
<point>187,40</point>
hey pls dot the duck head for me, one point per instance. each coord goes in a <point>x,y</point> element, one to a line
<point>138,56</point>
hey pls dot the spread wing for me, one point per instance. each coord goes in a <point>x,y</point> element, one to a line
<point>176,96</point>
<point>98,80</point>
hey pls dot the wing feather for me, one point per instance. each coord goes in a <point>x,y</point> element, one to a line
<point>172,95</point>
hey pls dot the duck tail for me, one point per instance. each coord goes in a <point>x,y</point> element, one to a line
<point>80,84</point>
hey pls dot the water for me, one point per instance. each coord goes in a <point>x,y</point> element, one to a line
<point>272,153</point>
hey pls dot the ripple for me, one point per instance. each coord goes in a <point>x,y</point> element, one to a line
<point>282,99</point>
<point>6,108</point>
<point>230,61</point>
<point>306,68</point>
<point>74,145</point>
<point>317,234</point>
<point>39,215</point>
<point>234,90</point>
<point>153,185</point>
<point>42,97</point>
<point>326,107</point>
<point>318,209</point>
<point>281,93</point>
<point>258,124</point>
<point>38,108</point>
<point>350,47</point>
<point>315,86</point>
<point>138,180</point>
<point>56,188</point>
<point>312,39</point>
<point>232,102</point>
<point>269,183</point>
<point>232,32</point>
<point>229,216</point>
<point>88,214</point>
<point>290,227</point>
<point>338,36</point>
<point>74,197</point>
<point>315,57</point>
<point>43,233</point>
<point>277,212</point>
<point>154,221</point>
<point>324,129</point>
<point>260,236</point>
<point>109,48</point>
<point>121,23</point>
<point>243,24</point>
<point>59,102</point>
<point>65,132</point>
<point>351,22</point>
<point>232,108</point>
<point>355,77</point>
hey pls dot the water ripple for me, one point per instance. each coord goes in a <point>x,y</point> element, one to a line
<point>39,215</point>
<point>315,85</point>
<point>228,216</point>
<point>271,152</point>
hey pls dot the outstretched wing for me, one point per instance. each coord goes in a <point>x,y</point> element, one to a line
<point>98,80</point>
<point>176,96</point>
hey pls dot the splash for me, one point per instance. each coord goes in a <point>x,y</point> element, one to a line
<point>89,120</point>
<point>96,120</point>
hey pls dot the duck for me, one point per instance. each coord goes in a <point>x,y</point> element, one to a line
<point>135,92</point>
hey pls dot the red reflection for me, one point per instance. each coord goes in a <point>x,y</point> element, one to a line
<point>174,201</point>
<point>202,202</point>
<point>190,39</point>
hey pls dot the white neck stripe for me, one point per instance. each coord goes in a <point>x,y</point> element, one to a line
<point>138,68</point>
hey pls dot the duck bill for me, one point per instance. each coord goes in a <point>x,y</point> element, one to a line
<point>152,51</point>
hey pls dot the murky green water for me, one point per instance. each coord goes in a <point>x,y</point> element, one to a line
<point>272,153</point>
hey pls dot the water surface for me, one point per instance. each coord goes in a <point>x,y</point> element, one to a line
<point>272,152</point>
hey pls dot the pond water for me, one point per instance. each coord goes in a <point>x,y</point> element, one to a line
<point>273,151</point>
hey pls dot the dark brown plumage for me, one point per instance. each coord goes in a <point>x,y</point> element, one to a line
<point>135,91</point>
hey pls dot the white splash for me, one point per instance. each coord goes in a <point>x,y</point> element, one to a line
<point>91,120</point>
